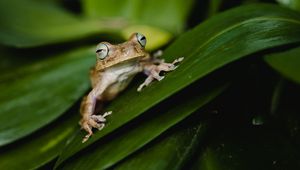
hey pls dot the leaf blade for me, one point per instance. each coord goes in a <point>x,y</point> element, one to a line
<point>32,24</point>
<point>35,95</point>
<point>205,50</point>
<point>108,153</point>
<point>169,14</point>
<point>47,144</point>
<point>286,63</point>
<point>161,155</point>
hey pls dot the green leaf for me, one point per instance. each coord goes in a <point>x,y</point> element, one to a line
<point>276,96</point>
<point>35,95</point>
<point>286,63</point>
<point>169,152</point>
<point>214,7</point>
<point>248,148</point>
<point>207,47</point>
<point>155,37</point>
<point>293,4</point>
<point>41,147</point>
<point>170,15</point>
<point>31,23</point>
<point>107,152</point>
<point>288,113</point>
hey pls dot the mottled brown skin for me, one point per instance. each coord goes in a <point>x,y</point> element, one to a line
<point>112,75</point>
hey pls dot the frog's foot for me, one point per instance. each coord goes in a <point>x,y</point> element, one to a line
<point>87,125</point>
<point>148,80</point>
<point>101,118</point>
<point>94,121</point>
<point>153,71</point>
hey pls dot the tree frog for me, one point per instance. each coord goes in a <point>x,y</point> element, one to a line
<point>115,67</point>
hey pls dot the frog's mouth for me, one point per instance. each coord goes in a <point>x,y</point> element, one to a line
<point>124,61</point>
<point>128,61</point>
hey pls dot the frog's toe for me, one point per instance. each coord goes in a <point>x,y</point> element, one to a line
<point>101,126</point>
<point>107,113</point>
<point>98,118</point>
<point>101,118</point>
<point>179,59</point>
<point>160,78</point>
<point>85,125</point>
<point>174,67</point>
<point>86,137</point>
<point>94,124</point>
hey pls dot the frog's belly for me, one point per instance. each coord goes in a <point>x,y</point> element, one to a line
<point>111,92</point>
<point>121,81</point>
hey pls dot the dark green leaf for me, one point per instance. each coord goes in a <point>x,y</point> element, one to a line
<point>287,112</point>
<point>214,7</point>
<point>34,95</point>
<point>286,63</point>
<point>39,148</point>
<point>170,152</point>
<point>209,46</point>
<point>30,23</point>
<point>105,154</point>
<point>170,15</point>
<point>248,148</point>
<point>276,96</point>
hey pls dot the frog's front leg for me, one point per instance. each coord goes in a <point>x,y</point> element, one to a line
<point>153,69</point>
<point>87,110</point>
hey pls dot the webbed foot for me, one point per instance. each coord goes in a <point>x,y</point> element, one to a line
<point>93,121</point>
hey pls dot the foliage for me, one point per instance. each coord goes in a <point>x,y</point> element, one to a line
<point>233,98</point>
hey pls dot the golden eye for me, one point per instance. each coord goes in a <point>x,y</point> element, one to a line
<point>102,51</point>
<point>141,39</point>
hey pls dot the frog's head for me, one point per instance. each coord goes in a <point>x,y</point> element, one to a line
<point>109,55</point>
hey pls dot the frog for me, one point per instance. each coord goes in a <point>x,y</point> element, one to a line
<point>115,67</point>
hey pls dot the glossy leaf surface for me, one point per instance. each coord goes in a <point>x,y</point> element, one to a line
<point>170,152</point>
<point>232,150</point>
<point>29,23</point>
<point>40,147</point>
<point>34,95</point>
<point>107,152</point>
<point>169,14</point>
<point>206,48</point>
<point>33,23</point>
<point>286,63</point>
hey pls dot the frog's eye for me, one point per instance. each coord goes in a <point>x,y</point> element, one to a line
<point>141,39</point>
<point>102,51</point>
